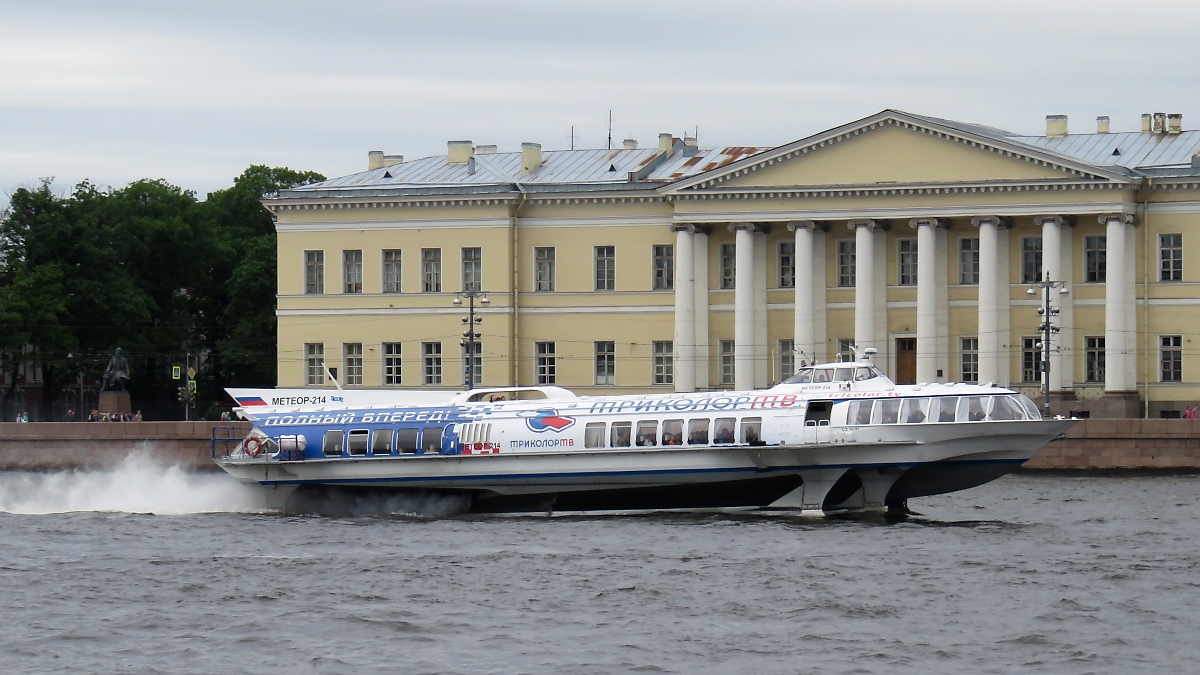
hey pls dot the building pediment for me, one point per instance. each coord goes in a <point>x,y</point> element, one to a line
<point>899,149</point>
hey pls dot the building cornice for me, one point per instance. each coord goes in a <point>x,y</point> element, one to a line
<point>907,212</point>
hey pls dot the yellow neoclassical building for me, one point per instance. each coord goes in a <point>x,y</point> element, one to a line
<point>675,267</point>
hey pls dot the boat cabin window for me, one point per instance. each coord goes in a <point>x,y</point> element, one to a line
<point>431,440</point>
<point>802,377</point>
<point>697,432</point>
<point>382,443</point>
<point>672,432</point>
<point>593,435</point>
<point>1032,411</point>
<point>647,431</point>
<point>751,430</point>
<point>1004,408</point>
<point>970,409</point>
<point>357,445</point>
<point>332,444</point>
<point>889,410</point>
<point>724,433</point>
<point>821,374</point>
<point>946,407</point>
<point>621,433</point>
<point>843,375</point>
<point>406,440</point>
<point>859,412</point>
<point>817,413</point>
<point>914,410</point>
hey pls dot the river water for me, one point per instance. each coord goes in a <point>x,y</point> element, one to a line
<point>147,569</point>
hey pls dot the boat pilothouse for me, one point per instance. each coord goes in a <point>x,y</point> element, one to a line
<point>837,436</point>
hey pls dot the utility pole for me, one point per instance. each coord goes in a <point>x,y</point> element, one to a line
<point>610,130</point>
<point>469,341</point>
<point>1047,328</point>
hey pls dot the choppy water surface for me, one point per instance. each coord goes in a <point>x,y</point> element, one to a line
<point>1027,574</point>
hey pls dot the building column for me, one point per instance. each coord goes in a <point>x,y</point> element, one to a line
<point>990,287</point>
<point>928,263</point>
<point>1116,306</point>
<point>700,268</point>
<point>1053,270</point>
<point>743,306</point>
<point>685,309</point>
<point>804,335</point>
<point>762,352</point>
<point>864,282</point>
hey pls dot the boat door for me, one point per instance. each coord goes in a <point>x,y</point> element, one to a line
<point>816,421</point>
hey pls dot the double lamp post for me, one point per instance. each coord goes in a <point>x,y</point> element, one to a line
<point>470,338</point>
<point>1047,328</point>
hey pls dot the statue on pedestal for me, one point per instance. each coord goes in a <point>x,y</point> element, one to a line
<point>116,374</point>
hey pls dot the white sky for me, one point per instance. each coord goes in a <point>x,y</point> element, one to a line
<point>195,91</point>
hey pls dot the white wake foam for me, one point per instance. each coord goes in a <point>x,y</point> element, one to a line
<point>137,485</point>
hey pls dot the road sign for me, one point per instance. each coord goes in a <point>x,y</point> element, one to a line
<point>192,386</point>
<point>191,373</point>
<point>175,370</point>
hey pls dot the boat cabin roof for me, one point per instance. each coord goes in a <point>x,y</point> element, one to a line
<point>858,371</point>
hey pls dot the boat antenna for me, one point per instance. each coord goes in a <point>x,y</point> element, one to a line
<point>864,354</point>
<point>330,374</point>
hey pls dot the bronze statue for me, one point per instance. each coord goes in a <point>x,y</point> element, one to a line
<point>116,374</point>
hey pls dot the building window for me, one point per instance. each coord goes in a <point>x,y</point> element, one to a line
<point>1093,359</point>
<point>1031,359</point>
<point>391,363</point>
<point>787,359</point>
<point>352,368</point>
<point>391,271</point>
<point>431,353</point>
<point>664,362</point>
<point>845,350</point>
<point>728,263</point>
<point>352,271</point>
<point>1031,259</point>
<point>1170,255</point>
<point>907,249</point>
<point>787,264</point>
<point>544,364</point>
<point>606,362</point>
<point>543,268</point>
<point>969,352</point>
<point>431,270</point>
<point>968,261</point>
<point>314,364</point>
<point>606,268</point>
<point>1094,254</point>
<point>1170,357</point>
<point>664,267</point>
<point>314,272</point>
<point>472,270</point>
<point>726,353</point>
<point>845,262</point>
<point>474,361</point>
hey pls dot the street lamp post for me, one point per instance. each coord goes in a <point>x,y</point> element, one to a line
<point>470,337</point>
<point>1046,311</point>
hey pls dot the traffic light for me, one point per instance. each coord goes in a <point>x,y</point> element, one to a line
<point>182,394</point>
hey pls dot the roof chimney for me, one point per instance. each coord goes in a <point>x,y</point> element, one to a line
<point>630,144</point>
<point>1056,125</point>
<point>1146,123</point>
<point>1196,161</point>
<point>690,149</point>
<point>531,158</point>
<point>377,160</point>
<point>485,149</point>
<point>1102,124</point>
<point>664,143</point>
<point>458,152</point>
<point>1174,123</point>
<point>1159,125</point>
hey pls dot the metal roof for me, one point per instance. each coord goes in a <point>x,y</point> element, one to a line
<point>574,167</point>
<point>1131,150</point>
<point>610,169</point>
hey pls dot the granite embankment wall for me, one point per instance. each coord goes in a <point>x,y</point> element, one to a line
<point>1091,445</point>
<point>1123,444</point>
<point>53,446</point>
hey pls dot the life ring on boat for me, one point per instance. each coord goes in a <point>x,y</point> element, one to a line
<point>252,446</point>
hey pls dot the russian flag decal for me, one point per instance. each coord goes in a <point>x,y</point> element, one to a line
<point>251,400</point>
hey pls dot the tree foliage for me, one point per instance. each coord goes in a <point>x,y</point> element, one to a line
<point>147,267</point>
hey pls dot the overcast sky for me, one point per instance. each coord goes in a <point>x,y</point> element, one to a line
<point>194,92</point>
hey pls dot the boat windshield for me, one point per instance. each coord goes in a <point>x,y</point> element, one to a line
<point>840,373</point>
